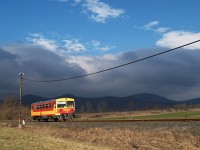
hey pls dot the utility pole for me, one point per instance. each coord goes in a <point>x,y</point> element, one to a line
<point>20,99</point>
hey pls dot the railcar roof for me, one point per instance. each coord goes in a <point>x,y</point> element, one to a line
<point>51,100</point>
<point>44,101</point>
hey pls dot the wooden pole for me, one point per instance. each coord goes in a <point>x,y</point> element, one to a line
<point>20,99</point>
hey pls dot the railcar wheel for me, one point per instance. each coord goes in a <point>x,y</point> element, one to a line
<point>70,117</point>
<point>39,119</point>
<point>74,116</point>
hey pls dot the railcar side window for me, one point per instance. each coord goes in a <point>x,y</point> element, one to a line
<point>35,107</point>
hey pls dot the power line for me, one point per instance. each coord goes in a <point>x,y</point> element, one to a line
<point>132,62</point>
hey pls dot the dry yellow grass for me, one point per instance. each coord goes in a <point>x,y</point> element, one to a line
<point>52,137</point>
<point>20,139</point>
<point>125,139</point>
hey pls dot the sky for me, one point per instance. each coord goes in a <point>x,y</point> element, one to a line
<point>56,39</point>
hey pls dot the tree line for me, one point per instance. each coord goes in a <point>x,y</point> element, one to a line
<point>9,109</point>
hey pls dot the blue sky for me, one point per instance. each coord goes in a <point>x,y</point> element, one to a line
<point>91,35</point>
<point>121,29</point>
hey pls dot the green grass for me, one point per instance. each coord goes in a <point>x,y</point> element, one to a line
<point>174,115</point>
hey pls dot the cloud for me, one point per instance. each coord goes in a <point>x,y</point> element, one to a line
<point>101,12</point>
<point>63,45</point>
<point>175,75</point>
<point>176,38</point>
<point>150,25</point>
<point>162,29</point>
<point>94,63</point>
<point>96,10</point>
<point>154,26</point>
<point>94,44</point>
<point>62,0</point>
<point>77,1</point>
<point>74,45</point>
<point>37,63</point>
<point>37,39</point>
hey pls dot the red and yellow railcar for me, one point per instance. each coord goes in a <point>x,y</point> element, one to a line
<point>55,109</point>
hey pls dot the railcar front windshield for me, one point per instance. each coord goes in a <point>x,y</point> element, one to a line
<point>61,105</point>
<point>70,104</point>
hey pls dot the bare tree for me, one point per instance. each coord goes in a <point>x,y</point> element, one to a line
<point>82,110</point>
<point>130,105</point>
<point>102,106</point>
<point>181,107</point>
<point>88,106</point>
<point>9,108</point>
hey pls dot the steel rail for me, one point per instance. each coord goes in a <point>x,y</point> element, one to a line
<point>114,120</point>
<point>136,120</point>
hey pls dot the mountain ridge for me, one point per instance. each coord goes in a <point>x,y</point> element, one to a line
<point>115,103</point>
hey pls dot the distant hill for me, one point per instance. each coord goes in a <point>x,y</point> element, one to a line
<point>150,100</point>
<point>113,103</point>
<point>192,101</point>
<point>29,99</point>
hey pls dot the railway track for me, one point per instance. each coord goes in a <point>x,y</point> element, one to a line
<point>135,120</point>
<point>113,120</point>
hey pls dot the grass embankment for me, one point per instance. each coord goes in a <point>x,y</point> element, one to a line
<point>20,139</point>
<point>171,115</point>
<point>91,136</point>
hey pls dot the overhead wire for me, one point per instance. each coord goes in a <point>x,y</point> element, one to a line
<point>108,69</point>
